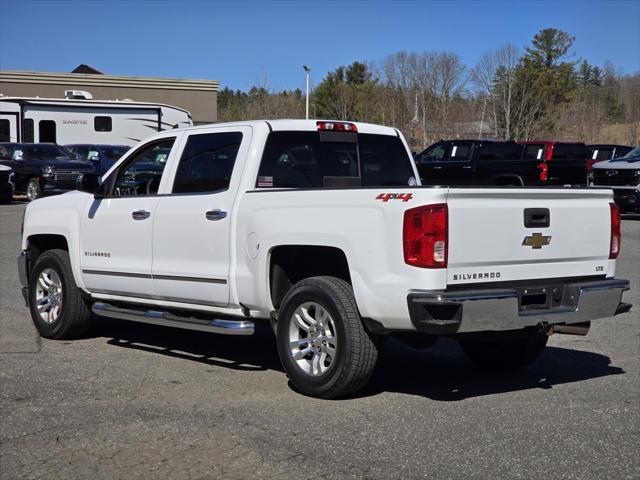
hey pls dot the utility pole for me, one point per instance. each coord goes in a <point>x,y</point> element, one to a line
<point>307,69</point>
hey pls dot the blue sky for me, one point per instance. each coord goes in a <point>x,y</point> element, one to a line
<point>266,43</point>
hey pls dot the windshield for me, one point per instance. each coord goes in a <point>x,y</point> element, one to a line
<point>322,159</point>
<point>114,152</point>
<point>49,152</point>
<point>633,153</point>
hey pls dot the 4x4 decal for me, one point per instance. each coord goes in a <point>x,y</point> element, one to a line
<point>385,197</point>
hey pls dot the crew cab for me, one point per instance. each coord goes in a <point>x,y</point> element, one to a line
<point>623,176</point>
<point>493,162</point>
<point>322,229</point>
<point>42,168</point>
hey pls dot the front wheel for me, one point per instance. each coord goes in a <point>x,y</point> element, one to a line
<point>323,346</point>
<point>505,354</point>
<point>57,308</point>
<point>33,189</point>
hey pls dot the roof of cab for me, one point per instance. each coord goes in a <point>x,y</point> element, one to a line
<point>296,125</point>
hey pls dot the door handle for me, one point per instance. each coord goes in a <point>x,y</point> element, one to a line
<point>467,167</point>
<point>437,168</point>
<point>140,215</point>
<point>215,214</point>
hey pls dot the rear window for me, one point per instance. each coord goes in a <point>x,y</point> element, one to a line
<point>568,151</point>
<point>533,152</point>
<point>317,160</point>
<point>500,151</point>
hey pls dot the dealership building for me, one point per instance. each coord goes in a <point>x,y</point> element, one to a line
<point>197,96</point>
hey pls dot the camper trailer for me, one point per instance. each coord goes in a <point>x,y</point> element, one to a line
<point>78,118</point>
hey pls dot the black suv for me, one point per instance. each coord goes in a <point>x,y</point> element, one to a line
<point>42,168</point>
<point>491,162</point>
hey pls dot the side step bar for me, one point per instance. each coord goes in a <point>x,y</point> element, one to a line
<point>167,319</point>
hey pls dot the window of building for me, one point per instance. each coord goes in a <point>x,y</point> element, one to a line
<point>102,124</point>
<point>47,131</point>
<point>207,162</point>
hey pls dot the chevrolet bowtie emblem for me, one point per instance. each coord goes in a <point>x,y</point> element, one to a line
<point>536,241</point>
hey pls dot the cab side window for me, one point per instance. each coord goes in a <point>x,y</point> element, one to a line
<point>460,152</point>
<point>207,162</point>
<point>142,173</point>
<point>435,153</point>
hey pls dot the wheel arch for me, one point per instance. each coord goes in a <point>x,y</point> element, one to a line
<point>288,264</point>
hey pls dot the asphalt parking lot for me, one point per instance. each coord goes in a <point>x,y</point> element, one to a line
<point>137,401</point>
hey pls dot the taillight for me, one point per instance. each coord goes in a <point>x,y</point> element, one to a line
<point>616,237</point>
<point>336,127</point>
<point>544,171</point>
<point>425,235</point>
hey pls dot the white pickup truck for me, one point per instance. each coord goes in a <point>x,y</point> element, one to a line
<point>321,228</point>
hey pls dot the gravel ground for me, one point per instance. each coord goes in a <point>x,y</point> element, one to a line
<point>136,401</point>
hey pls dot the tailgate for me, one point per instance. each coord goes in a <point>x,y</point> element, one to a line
<point>489,242</point>
<point>567,172</point>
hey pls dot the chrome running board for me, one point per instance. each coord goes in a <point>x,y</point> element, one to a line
<point>168,319</point>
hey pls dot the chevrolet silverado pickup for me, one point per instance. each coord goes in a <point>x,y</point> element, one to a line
<point>322,230</point>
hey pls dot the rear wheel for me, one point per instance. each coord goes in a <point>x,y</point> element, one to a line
<point>323,346</point>
<point>33,189</point>
<point>57,308</point>
<point>505,354</point>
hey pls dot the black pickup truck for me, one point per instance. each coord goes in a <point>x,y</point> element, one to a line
<point>492,162</point>
<point>42,168</point>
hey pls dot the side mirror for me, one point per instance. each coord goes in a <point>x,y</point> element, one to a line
<point>88,182</point>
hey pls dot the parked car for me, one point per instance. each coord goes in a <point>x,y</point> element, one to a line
<point>322,230</point>
<point>565,160</point>
<point>492,162</point>
<point>42,168</point>
<point>602,152</point>
<point>7,184</point>
<point>103,156</point>
<point>623,176</point>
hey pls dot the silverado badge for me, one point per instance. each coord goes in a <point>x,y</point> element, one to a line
<point>536,241</point>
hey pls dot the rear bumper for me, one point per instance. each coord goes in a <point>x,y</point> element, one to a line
<point>485,310</point>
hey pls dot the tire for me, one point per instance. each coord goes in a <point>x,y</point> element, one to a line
<point>338,358</point>
<point>505,354</point>
<point>33,189</point>
<point>51,279</point>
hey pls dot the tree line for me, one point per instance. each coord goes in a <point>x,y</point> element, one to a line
<point>509,93</point>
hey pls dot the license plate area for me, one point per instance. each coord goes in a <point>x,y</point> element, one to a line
<point>552,297</point>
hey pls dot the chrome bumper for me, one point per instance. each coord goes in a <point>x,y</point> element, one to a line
<point>484,310</point>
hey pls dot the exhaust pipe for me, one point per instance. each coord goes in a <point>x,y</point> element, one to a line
<point>573,329</point>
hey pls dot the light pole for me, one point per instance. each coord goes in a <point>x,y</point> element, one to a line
<point>307,69</point>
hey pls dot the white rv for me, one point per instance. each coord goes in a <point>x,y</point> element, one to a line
<point>79,119</point>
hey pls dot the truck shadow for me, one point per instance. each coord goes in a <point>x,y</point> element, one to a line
<point>443,372</point>
<point>440,373</point>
